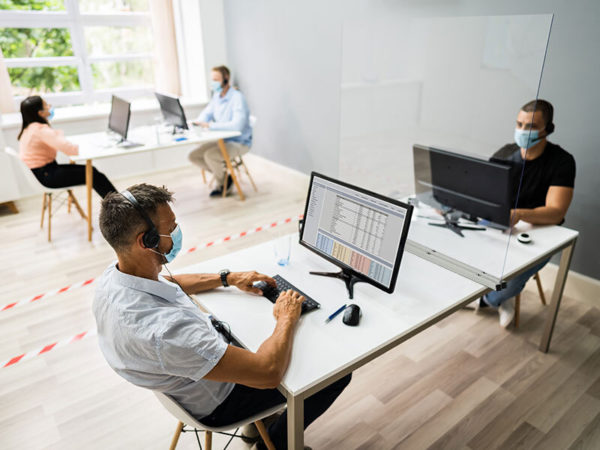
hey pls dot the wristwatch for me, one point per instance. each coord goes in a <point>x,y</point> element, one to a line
<point>223,274</point>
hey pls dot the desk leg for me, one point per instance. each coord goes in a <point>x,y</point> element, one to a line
<point>295,422</point>
<point>230,167</point>
<point>89,182</point>
<point>559,286</point>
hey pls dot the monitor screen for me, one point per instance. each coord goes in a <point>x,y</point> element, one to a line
<point>356,229</point>
<point>118,120</point>
<point>481,189</point>
<point>172,110</point>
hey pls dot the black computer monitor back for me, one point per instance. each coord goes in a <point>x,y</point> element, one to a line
<point>172,110</point>
<point>477,187</point>
<point>118,119</point>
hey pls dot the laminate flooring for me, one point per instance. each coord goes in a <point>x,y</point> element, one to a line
<point>462,384</point>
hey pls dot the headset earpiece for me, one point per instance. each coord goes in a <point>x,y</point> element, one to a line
<point>550,128</point>
<point>150,238</point>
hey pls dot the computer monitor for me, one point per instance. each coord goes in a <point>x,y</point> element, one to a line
<point>359,231</point>
<point>118,119</point>
<point>172,111</point>
<point>479,188</point>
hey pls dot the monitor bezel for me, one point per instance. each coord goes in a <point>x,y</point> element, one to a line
<point>341,265</point>
<point>124,136</point>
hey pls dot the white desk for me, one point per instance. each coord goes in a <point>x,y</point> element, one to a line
<point>425,293</point>
<point>481,255</point>
<point>96,146</point>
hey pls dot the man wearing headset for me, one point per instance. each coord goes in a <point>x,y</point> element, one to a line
<point>153,334</point>
<point>546,188</point>
<point>229,111</point>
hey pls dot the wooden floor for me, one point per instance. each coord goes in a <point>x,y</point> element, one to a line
<point>465,383</point>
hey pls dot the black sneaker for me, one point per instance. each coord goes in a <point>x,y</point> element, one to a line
<point>219,191</point>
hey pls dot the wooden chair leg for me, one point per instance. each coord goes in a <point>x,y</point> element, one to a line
<point>49,217</point>
<point>248,173</point>
<point>69,200</point>
<point>176,436</point>
<point>540,289</point>
<point>43,211</point>
<point>76,203</point>
<point>517,310</point>
<point>262,430</point>
<point>208,440</point>
<point>203,176</point>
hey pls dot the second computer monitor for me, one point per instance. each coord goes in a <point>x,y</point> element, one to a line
<point>172,111</point>
<point>482,189</point>
<point>120,113</point>
<point>360,231</point>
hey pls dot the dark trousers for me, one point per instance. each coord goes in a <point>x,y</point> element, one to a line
<point>55,175</point>
<point>244,402</point>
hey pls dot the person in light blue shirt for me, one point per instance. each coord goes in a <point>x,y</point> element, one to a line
<point>227,110</point>
<point>152,334</point>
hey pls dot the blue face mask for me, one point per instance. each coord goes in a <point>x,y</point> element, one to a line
<point>51,116</point>
<point>177,238</point>
<point>216,86</point>
<point>527,138</point>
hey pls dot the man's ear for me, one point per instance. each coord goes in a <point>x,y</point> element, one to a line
<point>139,240</point>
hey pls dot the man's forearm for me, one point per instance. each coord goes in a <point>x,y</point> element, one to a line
<point>543,215</point>
<point>198,282</point>
<point>277,349</point>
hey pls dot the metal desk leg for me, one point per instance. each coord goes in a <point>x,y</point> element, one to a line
<point>230,170</point>
<point>89,182</point>
<point>559,286</point>
<point>295,422</point>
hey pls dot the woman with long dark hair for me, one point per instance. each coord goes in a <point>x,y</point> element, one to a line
<point>38,144</point>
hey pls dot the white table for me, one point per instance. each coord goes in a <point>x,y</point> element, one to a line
<point>493,255</point>
<point>97,146</point>
<point>323,353</point>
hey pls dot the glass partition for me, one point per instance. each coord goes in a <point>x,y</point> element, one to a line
<point>428,112</point>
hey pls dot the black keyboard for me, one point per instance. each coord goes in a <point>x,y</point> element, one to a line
<point>272,294</point>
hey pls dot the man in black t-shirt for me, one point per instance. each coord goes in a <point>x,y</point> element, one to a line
<point>546,188</point>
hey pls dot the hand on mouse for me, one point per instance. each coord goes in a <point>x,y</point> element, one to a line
<point>288,305</point>
<point>243,281</point>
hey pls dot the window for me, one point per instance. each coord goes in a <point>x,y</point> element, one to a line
<point>75,52</point>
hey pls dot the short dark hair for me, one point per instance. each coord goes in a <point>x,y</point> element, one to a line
<point>120,221</point>
<point>225,73</point>
<point>30,108</point>
<point>544,107</point>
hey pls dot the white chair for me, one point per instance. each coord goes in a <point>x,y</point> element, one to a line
<point>33,182</point>
<point>185,418</point>
<point>237,162</point>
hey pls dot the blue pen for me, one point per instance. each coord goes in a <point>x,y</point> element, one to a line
<point>335,314</point>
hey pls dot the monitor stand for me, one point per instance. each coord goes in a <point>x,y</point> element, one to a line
<point>451,222</point>
<point>177,130</point>
<point>124,143</point>
<point>349,278</point>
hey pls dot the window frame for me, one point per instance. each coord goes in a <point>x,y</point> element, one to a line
<point>75,21</point>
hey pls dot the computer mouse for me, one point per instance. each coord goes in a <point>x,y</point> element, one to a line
<point>352,315</point>
<point>524,238</point>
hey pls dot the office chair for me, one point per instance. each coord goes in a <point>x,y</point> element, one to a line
<point>236,163</point>
<point>185,418</point>
<point>536,277</point>
<point>33,182</point>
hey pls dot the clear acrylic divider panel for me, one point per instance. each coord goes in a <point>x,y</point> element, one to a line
<point>427,102</point>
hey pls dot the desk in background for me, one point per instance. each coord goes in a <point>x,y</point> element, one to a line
<point>97,146</point>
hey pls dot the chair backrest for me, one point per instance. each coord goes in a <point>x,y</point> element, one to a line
<point>32,181</point>
<point>177,411</point>
<point>183,416</point>
<point>252,121</point>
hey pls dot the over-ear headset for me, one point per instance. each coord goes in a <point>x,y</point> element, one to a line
<point>549,127</point>
<point>150,238</point>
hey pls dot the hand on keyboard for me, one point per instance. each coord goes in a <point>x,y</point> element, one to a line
<point>288,304</point>
<point>251,281</point>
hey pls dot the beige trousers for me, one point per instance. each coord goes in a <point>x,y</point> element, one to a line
<point>208,156</point>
